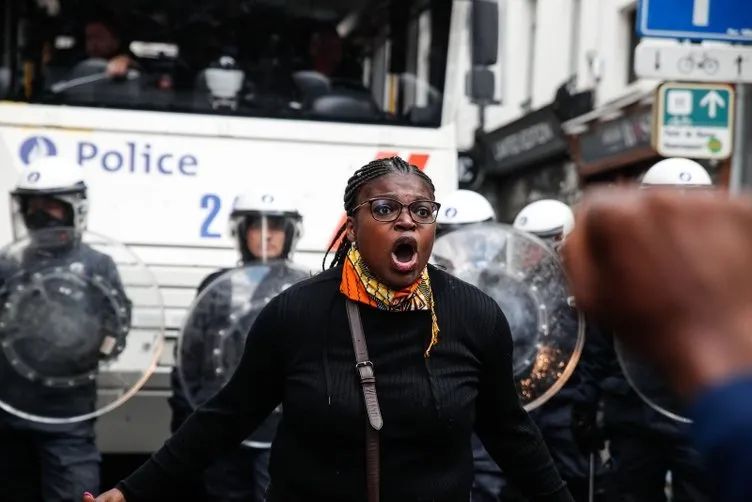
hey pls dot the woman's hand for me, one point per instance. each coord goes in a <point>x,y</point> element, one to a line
<point>113,495</point>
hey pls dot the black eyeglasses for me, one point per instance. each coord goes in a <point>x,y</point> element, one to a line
<point>387,210</point>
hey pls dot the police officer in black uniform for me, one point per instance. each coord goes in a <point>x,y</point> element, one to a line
<point>644,444</point>
<point>64,311</point>
<point>266,228</point>
<point>551,221</point>
<point>576,459</point>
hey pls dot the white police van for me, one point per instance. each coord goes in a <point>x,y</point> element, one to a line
<point>284,94</point>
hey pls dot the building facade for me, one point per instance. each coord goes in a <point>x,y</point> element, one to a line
<point>544,43</point>
<point>586,47</point>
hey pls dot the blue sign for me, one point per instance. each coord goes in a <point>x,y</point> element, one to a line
<point>727,20</point>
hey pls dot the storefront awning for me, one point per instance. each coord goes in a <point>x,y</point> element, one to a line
<point>608,111</point>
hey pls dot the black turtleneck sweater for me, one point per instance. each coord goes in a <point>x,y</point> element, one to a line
<point>299,352</point>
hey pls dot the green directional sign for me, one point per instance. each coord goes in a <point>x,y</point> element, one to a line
<point>694,120</point>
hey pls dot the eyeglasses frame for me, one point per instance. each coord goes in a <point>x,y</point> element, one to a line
<point>402,208</point>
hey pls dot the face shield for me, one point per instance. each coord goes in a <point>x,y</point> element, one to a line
<point>446,228</point>
<point>527,281</point>
<point>267,237</point>
<point>48,220</point>
<point>553,238</point>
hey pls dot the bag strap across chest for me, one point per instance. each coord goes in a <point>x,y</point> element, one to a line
<point>364,367</point>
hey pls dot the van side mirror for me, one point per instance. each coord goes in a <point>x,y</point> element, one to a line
<point>485,32</point>
<point>480,85</point>
<point>480,81</point>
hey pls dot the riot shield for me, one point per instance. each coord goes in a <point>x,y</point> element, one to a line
<point>527,280</point>
<point>71,348</point>
<point>213,337</point>
<point>649,383</point>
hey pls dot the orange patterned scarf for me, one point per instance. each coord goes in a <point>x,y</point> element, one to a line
<point>360,285</point>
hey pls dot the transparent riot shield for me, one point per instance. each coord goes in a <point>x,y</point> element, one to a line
<point>213,337</point>
<point>71,348</point>
<point>527,280</point>
<point>647,380</point>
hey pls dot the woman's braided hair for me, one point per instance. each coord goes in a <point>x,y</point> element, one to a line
<point>369,172</point>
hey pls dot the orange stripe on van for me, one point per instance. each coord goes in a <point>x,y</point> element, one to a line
<point>419,160</point>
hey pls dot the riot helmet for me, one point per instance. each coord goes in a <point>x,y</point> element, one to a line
<point>678,172</point>
<point>50,193</point>
<point>548,219</point>
<point>265,226</point>
<point>463,207</point>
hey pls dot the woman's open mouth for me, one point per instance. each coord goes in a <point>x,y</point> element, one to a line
<point>405,254</point>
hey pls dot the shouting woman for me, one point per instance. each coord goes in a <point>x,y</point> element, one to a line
<point>384,365</point>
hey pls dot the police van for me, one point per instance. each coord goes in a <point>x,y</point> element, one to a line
<point>172,108</point>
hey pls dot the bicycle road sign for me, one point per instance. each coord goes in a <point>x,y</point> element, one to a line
<point>693,63</point>
<point>694,120</point>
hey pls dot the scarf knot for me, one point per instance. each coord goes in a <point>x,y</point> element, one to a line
<point>360,285</point>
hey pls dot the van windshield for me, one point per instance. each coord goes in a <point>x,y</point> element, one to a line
<point>336,60</point>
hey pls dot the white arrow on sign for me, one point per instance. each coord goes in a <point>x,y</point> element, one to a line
<point>712,100</point>
<point>701,13</point>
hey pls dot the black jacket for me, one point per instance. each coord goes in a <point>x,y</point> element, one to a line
<point>299,352</point>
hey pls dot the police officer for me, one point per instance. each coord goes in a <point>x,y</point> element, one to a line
<point>552,220</point>
<point>548,219</point>
<point>266,228</point>
<point>644,444</point>
<point>75,323</point>
<point>461,208</point>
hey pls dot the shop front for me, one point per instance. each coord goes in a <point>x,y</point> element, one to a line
<point>613,144</point>
<point>527,160</point>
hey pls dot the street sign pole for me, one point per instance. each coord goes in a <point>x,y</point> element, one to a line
<point>741,160</point>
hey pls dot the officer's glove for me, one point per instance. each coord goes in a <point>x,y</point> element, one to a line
<point>587,433</point>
